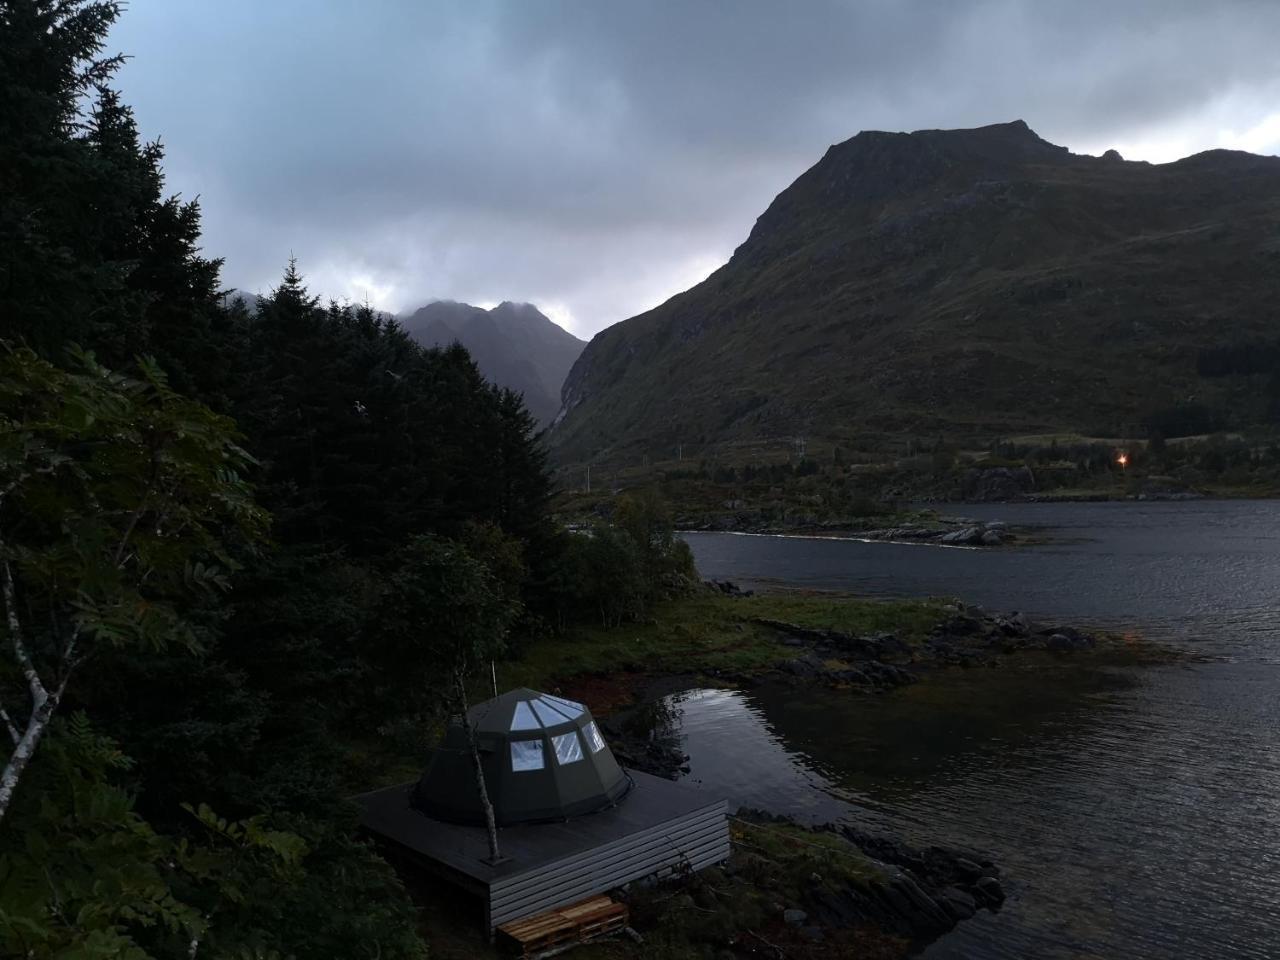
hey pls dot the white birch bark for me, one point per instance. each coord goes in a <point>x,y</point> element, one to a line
<point>490,821</point>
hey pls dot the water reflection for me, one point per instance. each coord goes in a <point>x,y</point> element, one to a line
<point>1136,814</point>
<point>1127,824</point>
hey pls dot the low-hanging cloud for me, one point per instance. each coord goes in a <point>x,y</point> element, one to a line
<point>598,156</point>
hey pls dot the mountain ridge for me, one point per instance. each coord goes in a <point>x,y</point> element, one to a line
<point>958,283</point>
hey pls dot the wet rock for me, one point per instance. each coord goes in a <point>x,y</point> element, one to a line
<point>1067,641</point>
<point>888,674</point>
<point>958,903</point>
<point>728,588</point>
<point>890,645</point>
<point>961,625</point>
<point>1014,625</point>
<point>989,891</point>
<point>806,666</point>
<point>968,869</point>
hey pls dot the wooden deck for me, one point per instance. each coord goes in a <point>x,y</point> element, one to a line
<point>659,826</point>
<point>556,929</point>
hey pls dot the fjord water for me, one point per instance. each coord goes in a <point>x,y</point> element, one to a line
<point>1135,812</point>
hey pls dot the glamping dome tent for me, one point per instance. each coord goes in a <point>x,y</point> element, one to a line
<point>543,758</point>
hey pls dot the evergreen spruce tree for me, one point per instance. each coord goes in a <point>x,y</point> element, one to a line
<point>91,251</point>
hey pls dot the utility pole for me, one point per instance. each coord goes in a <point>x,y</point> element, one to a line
<point>588,478</point>
<point>679,452</point>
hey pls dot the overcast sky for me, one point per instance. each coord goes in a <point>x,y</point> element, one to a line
<point>596,157</point>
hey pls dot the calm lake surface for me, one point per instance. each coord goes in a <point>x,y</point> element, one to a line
<point>1136,813</point>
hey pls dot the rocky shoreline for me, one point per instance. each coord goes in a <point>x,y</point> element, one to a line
<point>967,637</point>
<point>945,531</point>
<point>924,892</point>
<point>795,891</point>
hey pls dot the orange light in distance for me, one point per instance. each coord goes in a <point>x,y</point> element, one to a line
<point>1123,460</point>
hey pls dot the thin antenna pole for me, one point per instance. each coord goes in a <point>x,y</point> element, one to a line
<point>494,671</point>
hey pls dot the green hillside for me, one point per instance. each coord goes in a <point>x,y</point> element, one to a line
<point>965,284</point>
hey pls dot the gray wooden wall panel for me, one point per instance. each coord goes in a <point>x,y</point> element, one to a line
<point>699,841</point>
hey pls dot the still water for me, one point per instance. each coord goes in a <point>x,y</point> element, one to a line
<point>1136,812</point>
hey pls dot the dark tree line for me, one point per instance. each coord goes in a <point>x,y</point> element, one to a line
<point>376,460</point>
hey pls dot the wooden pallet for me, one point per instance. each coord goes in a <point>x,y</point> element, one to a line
<point>557,929</point>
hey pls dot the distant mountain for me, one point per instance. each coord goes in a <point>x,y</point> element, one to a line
<point>964,284</point>
<point>236,296</point>
<point>514,345</point>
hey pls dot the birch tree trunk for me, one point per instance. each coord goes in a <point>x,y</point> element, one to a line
<point>490,821</point>
<point>26,748</point>
<point>43,702</point>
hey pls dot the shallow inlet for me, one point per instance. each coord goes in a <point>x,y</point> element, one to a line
<point>1136,812</point>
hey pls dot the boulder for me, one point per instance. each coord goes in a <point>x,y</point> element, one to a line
<point>1067,639</point>
<point>1014,626</point>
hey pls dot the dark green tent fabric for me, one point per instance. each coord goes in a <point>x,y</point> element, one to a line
<point>543,758</point>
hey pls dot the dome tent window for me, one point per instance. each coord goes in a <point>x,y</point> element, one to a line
<point>523,718</point>
<point>549,715</point>
<point>526,755</point>
<point>593,737</point>
<point>568,748</point>
<point>567,707</point>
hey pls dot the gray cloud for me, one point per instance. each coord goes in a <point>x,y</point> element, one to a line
<point>598,156</point>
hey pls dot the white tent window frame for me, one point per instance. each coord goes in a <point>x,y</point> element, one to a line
<point>593,737</point>
<point>526,755</point>
<point>568,748</point>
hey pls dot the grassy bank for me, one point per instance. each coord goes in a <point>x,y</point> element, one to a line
<point>708,633</point>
